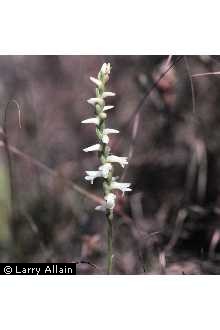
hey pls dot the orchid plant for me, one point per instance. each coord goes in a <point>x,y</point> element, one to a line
<point>107,159</point>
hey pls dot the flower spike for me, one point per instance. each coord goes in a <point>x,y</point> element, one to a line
<point>106,168</point>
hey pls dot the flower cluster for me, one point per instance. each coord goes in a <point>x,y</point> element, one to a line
<point>105,170</point>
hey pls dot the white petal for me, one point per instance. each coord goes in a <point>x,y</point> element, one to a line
<point>105,169</point>
<point>106,94</point>
<point>92,175</point>
<point>95,120</point>
<point>97,82</point>
<point>108,107</point>
<point>123,186</point>
<point>110,201</point>
<point>105,139</point>
<point>95,147</point>
<point>115,159</point>
<point>127,189</point>
<point>89,178</point>
<point>110,131</point>
<point>95,100</point>
<point>101,208</point>
<point>120,185</point>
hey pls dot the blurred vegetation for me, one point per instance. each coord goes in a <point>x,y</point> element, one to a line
<point>5,207</point>
<point>169,224</point>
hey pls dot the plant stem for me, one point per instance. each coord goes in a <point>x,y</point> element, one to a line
<point>109,216</point>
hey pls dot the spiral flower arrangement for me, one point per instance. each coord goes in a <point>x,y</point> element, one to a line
<point>107,159</point>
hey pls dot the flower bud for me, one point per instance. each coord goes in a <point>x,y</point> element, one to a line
<point>102,115</point>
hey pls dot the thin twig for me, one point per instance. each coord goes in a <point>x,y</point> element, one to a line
<point>196,75</point>
<point>19,111</point>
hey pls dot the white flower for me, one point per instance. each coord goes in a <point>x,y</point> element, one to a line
<point>110,201</point>
<point>94,120</point>
<point>94,100</point>
<point>106,94</point>
<point>105,169</point>
<point>115,159</point>
<point>97,82</point>
<point>106,68</point>
<point>121,186</point>
<point>106,131</point>
<point>110,131</point>
<point>108,107</point>
<point>92,175</point>
<point>95,147</point>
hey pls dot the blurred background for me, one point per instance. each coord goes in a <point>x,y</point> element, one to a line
<point>169,122</point>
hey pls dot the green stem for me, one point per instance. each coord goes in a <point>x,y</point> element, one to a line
<point>109,216</point>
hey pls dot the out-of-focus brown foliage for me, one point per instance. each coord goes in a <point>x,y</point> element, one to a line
<point>169,224</point>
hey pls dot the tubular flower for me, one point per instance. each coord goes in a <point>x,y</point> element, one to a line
<point>106,94</point>
<point>97,82</point>
<point>92,175</point>
<point>105,170</point>
<point>106,131</point>
<point>95,147</point>
<point>108,107</point>
<point>115,159</point>
<point>95,100</point>
<point>121,186</point>
<point>94,120</point>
